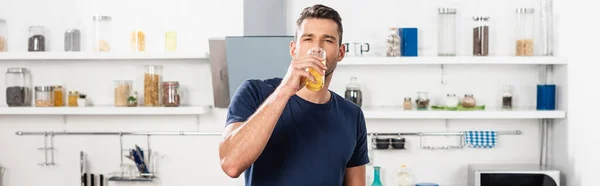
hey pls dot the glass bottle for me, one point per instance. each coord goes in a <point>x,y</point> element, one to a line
<point>468,101</point>
<point>3,36</point>
<point>376,178</point>
<point>393,43</point>
<point>407,103</point>
<point>102,33</point>
<point>353,92</point>
<point>44,96</point>
<point>525,31</point>
<point>18,87</point>
<point>37,39</point>
<point>481,36</point>
<point>405,178</point>
<point>422,101</point>
<point>152,88</point>
<point>507,98</point>
<point>170,95</point>
<point>447,32</point>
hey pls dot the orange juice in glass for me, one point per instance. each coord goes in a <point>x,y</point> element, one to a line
<point>320,79</point>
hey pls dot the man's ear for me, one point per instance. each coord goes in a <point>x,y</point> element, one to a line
<point>293,49</point>
<point>341,52</point>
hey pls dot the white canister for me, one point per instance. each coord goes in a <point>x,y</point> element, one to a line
<point>81,102</point>
<point>451,100</point>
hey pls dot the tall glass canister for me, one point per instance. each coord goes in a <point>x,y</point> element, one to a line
<point>447,32</point>
<point>525,32</point>
<point>152,88</point>
<point>3,36</point>
<point>102,33</point>
<point>481,36</point>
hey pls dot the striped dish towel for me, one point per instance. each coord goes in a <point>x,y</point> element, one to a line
<point>481,139</point>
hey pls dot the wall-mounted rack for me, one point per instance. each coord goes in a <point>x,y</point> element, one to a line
<point>516,132</point>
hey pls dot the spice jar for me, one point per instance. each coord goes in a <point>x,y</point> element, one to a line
<point>37,39</point>
<point>353,92</point>
<point>481,36</point>
<point>422,101</point>
<point>468,101</point>
<point>103,33</point>
<point>3,36</point>
<point>72,40</point>
<point>507,97</point>
<point>170,41</point>
<point>59,96</point>
<point>447,32</point>
<point>152,82</point>
<point>132,101</point>
<point>73,97</point>
<point>451,100</point>
<point>407,103</point>
<point>122,92</point>
<point>44,96</point>
<point>171,94</point>
<point>525,31</point>
<point>82,101</point>
<point>393,43</point>
<point>18,87</point>
<point>138,41</point>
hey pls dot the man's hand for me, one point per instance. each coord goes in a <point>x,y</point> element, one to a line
<point>297,75</point>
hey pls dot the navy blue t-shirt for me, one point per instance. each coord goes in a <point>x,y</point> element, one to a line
<point>312,144</point>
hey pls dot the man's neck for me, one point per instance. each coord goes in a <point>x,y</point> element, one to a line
<point>318,97</point>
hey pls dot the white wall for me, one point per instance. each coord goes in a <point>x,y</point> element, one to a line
<point>194,160</point>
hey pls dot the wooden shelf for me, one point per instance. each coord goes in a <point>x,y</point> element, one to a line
<point>63,56</point>
<point>357,61</point>
<point>192,110</point>
<point>399,113</point>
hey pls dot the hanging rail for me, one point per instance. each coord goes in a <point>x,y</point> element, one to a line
<point>181,133</point>
<point>516,132</point>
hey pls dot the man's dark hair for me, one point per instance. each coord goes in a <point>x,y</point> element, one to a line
<point>320,11</point>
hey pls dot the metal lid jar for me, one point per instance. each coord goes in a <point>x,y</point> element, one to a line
<point>18,87</point>
<point>44,96</point>
<point>170,96</point>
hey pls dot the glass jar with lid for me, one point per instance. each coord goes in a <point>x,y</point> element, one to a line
<point>18,87</point>
<point>138,40</point>
<point>3,36</point>
<point>481,36</point>
<point>446,32</point>
<point>451,100</point>
<point>393,43</point>
<point>422,101</point>
<point>123,90</point>
<point>44,96</point>
<point>59,96</point>
<point>72,40</point>
<point>37,39</point>
<point>468,101</point>
<point>353,92</point>
<point>102,33</point>
<point>171,94</point>
<point>72,98</point>
<point>407,103</point>
<point>525,30</point>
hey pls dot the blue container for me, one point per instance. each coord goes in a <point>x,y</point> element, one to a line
<point>546,97</point>
<point>426,184</point>
<point>409,38</point>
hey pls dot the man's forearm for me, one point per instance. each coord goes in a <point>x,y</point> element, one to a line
<point>242,146</point>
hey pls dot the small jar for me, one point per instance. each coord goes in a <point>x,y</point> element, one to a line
<point>353,92</point>
<point>481,36</point>
<point>44,96</point>
<point>507,98</point>
<point>122,92</point>
<point>72,40</point>
<point>407,103</point>
<point>468,101</point>
<point>422,101</point>
<point>37,39</point>
<point>73,97</point>
<point>170,97</point>
<point>132,101</point>
<point>138,41</point>
<point>82,101</point>
<point>102,33</point>
<point>393,43</point>
<point>59,96</point>
<point>3,36</point>
<point>451,100</point>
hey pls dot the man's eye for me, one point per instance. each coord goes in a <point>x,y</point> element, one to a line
<point>308,39</point>
<point>329,41</point>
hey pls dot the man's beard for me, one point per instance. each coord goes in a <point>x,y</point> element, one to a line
<point>330,71</point>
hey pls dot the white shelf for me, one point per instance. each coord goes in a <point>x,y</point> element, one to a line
<point>55,56</point>
<point>490,60</point>
<point>194,110</point>
<point>399,113</point>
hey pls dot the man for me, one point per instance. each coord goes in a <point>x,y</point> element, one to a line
<point>281,133</point>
